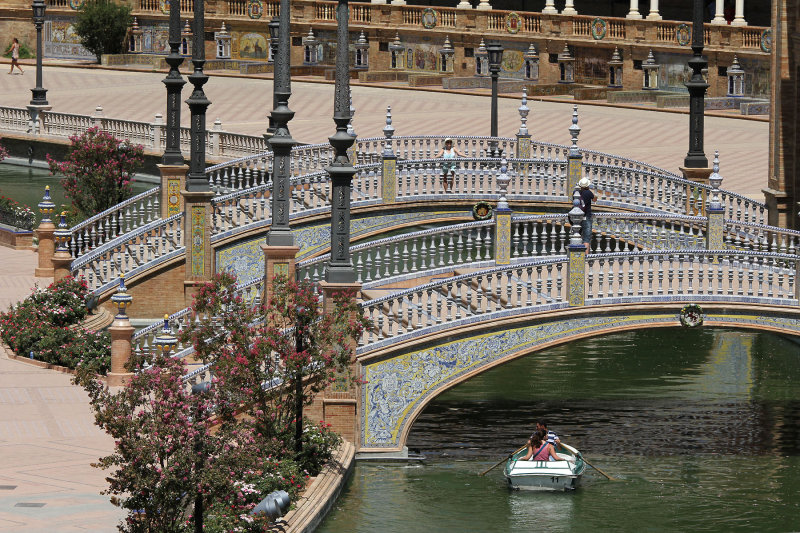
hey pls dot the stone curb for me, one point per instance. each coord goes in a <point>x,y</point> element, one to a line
<point>318,499</point>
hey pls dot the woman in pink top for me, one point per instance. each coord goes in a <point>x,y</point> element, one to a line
<point>539,449</point>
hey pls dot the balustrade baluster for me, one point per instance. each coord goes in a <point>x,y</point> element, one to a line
<point>601,277</point>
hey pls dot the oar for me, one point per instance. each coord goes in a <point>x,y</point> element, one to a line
<point>590,464</point>
<point>502,460</point>
<point>575,452</point>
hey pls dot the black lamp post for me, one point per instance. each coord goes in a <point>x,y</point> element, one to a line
<point>340,267</point>
<point>174,83</point>
<point>695,157</point>
<point>281,142</point>
<point>196,181</point>
<point>199,389</point>
<point>274,32</point>
<point>39,92</point>
<point>495,51</point>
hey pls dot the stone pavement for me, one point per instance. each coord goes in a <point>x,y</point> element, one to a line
<point>47,437</point>
<point>243,104</point>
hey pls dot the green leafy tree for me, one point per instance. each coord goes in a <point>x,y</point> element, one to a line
<point>102,26</point>
<point>98,170</point>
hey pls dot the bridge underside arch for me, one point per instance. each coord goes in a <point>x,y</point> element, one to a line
<point>399,384</point>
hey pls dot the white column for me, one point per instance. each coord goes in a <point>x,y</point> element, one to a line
<point>464,4</point>
<point>719,13</point>
<point>653,15</point>
<point>484,5</point>
<point>738,19</point>
<point>550,7</point>
<point>569,8</point>
<point>634,12</point>
<point>378,1</point>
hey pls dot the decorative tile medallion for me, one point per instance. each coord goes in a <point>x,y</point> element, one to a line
<point>523,147</point>
<point>513,23</point>
<point>280,269</point>
<point>198,240</point>
<point>173,196</point>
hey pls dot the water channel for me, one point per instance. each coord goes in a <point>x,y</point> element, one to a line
<point>700,426</point>
<point>26,186</point>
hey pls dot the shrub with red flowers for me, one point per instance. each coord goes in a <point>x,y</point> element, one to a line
<point>3,152</point>
<point>46,324</point>
<point>233,442</point>
<point>98,170</point>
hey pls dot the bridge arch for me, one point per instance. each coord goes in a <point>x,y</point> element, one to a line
<point>399,383</point>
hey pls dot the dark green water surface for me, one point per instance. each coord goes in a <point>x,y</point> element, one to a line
<point>26,185</point>
<point>702,427</point>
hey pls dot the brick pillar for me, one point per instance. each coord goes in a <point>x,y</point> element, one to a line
<point>62,258</point>
<point>278,260</point>
<point>45,234</point>
<point>341,408</point>
<point>121,338</point>
<point>389,163</point>
<point>173,181</point>
<point>199,267</point>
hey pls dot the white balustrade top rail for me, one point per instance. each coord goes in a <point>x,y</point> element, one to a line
<point>127,216</point>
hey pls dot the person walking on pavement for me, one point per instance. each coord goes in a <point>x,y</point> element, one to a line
<point>15,57</point>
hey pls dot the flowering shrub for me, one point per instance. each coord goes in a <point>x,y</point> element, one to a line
<point>15,214</point>
<point>98,170</point>
<point>3,152</point>
<point>45,324</point>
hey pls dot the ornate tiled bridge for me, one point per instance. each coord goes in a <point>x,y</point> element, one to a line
<point>464,295</point>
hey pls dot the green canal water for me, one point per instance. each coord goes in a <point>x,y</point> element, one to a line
<point>26,185</point>
<point>701,427</point>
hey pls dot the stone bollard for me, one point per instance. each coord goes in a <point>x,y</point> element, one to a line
<point>523,135</point>
<point>121,338</point>
<point>389,163</point>
<point>45,234</point>
<point>62,258</point>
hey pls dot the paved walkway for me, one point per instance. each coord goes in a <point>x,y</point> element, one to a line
<point>243,104</point>
<point>47,437</point>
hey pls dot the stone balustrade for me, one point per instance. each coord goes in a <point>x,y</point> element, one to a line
<point>125,217</point>
<point>148,246</point>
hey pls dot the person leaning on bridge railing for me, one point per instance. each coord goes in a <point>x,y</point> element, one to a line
<point>586,205</point>
<point>448,167</point>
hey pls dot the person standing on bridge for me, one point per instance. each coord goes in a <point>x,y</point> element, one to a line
<point>586,205</point>
<point>15,57</point>
<point>448,167</point>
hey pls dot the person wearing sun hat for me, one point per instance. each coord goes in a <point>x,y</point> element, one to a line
<point>586,204</point>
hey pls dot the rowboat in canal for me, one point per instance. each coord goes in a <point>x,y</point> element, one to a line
<point>545,475</point>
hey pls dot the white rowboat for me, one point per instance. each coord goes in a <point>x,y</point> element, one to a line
<point>545,475</point>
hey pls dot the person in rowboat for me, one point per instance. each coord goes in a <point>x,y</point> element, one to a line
<point>539,449</point>
<point>552,438</point>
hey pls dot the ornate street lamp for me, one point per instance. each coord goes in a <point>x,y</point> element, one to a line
<point>174,83</point>
<point>196,181</point>
<point>495,51</point>
<point>39,92</point>
<point>340,268</point>
<point>695,157</point>
<point>274,31</point>
<point>281,142</point>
